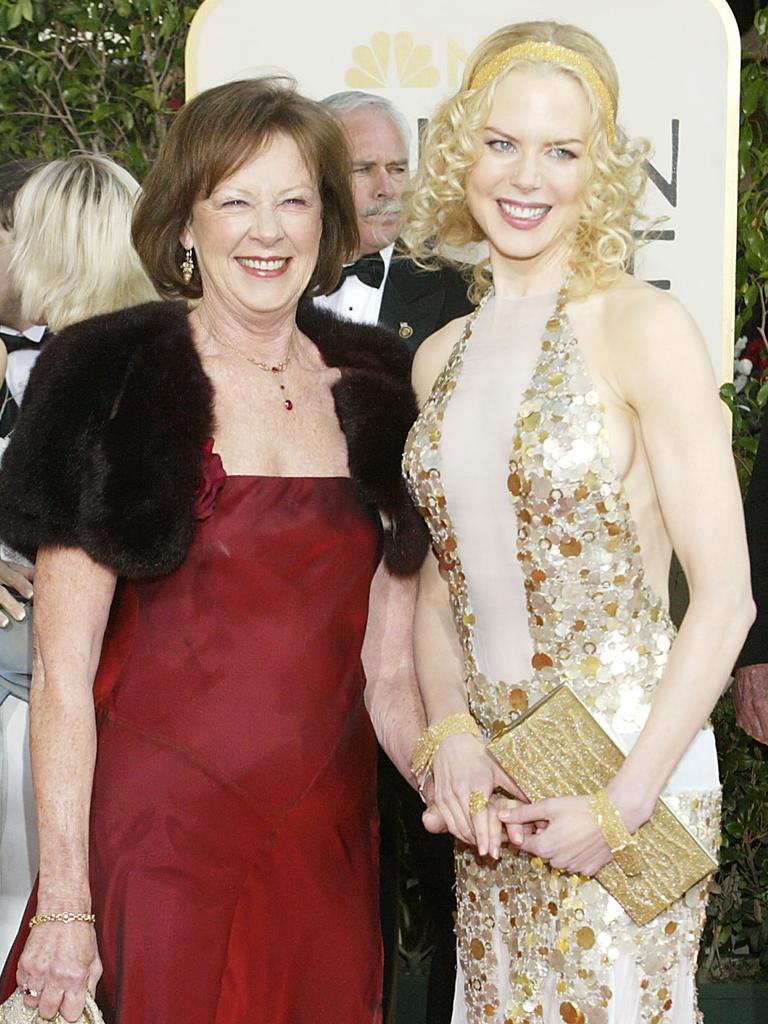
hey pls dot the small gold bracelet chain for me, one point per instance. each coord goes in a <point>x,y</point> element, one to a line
<point>67,917</point>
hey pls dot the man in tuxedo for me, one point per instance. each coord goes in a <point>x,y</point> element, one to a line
<point>380,287</point>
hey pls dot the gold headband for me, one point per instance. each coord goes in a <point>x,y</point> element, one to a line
<point>551,53</point>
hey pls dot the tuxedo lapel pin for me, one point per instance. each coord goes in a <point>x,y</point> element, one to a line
<point>405,330</point>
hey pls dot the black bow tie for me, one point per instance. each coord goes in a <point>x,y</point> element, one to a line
<point>369,269</point>
<point>17,342</point>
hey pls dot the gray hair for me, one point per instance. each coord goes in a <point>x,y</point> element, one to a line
<point>353,99</point>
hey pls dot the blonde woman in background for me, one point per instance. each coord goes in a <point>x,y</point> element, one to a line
<point>72,258</point>
<point>558,461</point>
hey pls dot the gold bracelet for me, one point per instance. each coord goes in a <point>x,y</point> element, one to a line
<point>426,745</point>
<point>65,918</point>
<point>616,834</point>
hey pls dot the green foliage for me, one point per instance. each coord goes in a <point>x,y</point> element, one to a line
<point>95,76</point>
<point>736,935</point>
<point>747,409</point>
<point>752,252</point>
<point>752,245</point>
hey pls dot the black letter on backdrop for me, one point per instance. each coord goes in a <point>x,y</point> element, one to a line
<point>667,188</point>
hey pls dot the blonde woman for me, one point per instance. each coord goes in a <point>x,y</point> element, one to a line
<point>558,462</point>
<point>73,256</point>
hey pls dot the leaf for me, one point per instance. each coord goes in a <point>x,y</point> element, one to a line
<point>15,16</point>
<point>102,111</point>
<point>750,97</point>
<point>747,444</point>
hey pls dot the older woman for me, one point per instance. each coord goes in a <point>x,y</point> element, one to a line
<point>558,462</point>
<point>218,484</point>
<point>69,256</point>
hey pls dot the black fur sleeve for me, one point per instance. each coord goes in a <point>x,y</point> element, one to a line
<point>376,407</point>
<point>105,455</point>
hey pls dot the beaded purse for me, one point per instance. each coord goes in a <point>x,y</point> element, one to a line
<point>13,1011</point>
<point>558,748</point>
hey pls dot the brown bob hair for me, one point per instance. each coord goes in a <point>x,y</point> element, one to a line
<point>213,135</point>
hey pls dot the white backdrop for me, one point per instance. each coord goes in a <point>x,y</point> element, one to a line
<point>678,63</point>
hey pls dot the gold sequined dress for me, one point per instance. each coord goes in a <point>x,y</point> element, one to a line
<point>511,466</point>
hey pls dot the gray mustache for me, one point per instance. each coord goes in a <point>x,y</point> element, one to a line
<point>385,206</point>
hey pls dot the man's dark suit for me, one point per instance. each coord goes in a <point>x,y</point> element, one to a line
<point>415,304</point>
<point>423,300</point>
<point>755,650</point>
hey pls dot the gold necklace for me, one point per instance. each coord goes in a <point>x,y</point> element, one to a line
<point>273,368</point>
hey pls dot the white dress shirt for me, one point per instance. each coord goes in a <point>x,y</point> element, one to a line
<point>356,301</point>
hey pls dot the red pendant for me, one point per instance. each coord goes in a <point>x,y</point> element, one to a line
<point>288,404</point>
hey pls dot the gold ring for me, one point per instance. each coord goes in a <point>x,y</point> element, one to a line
<point>477,801</point>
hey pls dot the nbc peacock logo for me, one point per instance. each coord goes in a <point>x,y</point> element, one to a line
<point>373,62</point>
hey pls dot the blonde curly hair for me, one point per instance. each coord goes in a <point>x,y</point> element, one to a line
<point>438,220</point>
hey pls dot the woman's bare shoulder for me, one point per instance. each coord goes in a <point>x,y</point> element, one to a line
<point>644,332</point>
<point>433,354</point>
<point>633,310</point>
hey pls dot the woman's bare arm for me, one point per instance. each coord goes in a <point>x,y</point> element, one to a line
<point>666,376</point>
<point>664,373</point>
<point>391,694</point>
<point>73,595</point>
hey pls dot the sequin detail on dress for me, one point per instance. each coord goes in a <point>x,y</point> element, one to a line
<point>421,462</point>
<point>537,946</point>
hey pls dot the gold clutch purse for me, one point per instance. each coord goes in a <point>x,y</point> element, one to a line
<point>13,1011</point>
<point>557,748</point>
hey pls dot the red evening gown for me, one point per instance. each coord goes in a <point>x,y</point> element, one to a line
<point>233,824</point>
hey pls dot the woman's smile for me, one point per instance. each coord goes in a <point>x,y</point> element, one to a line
<point>524,216</point>
<point>264,266</point>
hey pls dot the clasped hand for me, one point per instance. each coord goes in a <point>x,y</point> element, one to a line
<point>462,767</point>
<point>559,830</point>
<point>564,834</point>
